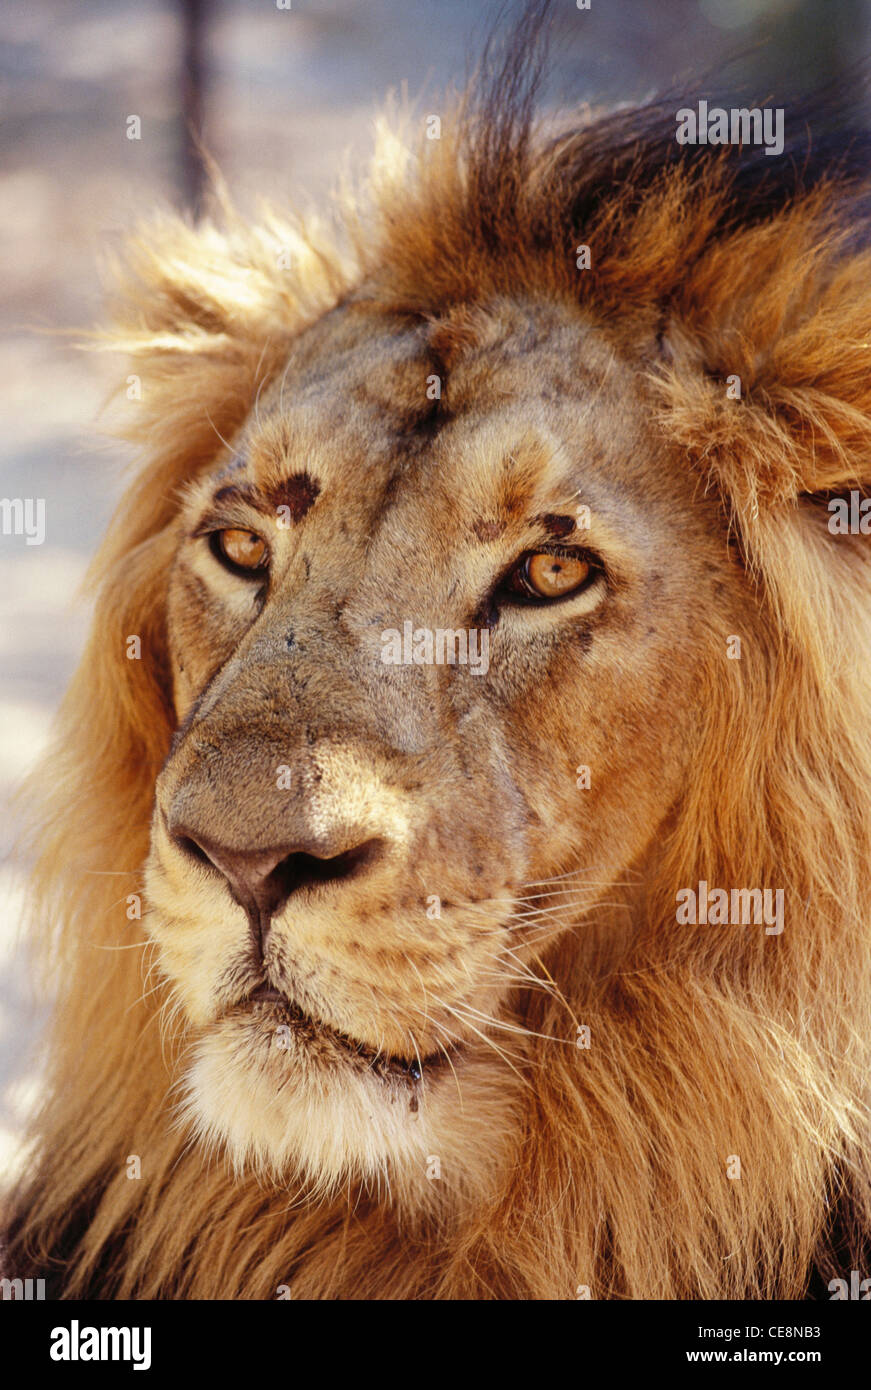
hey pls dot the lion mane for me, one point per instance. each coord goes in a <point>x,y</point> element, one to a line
<point>707,1045</point>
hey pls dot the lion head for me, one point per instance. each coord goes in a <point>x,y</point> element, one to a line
<point>477,610</point>
<point>394,644</point>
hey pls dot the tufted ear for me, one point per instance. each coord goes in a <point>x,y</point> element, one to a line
<point>765,381</point>
<point>203,317</point>
<point>768,386</point>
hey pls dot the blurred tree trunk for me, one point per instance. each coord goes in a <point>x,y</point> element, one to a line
<point>194,17</point>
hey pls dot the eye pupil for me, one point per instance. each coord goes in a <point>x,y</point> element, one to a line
<point>551,576</point>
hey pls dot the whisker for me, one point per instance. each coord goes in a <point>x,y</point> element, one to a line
<point>442,1048</point>
<point>217,431</point>
<point>262,383</point>
<point>507,1027</point>
<point>134,946</point>
<point>571,873</point>
<point>533,897</point>
<point>112,873</point>
<point>489,1041</point>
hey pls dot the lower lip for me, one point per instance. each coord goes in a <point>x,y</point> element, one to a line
<point>265,994</point>
<point>394,1066</point>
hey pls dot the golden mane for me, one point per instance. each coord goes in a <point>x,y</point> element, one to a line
<point>706,1045</point>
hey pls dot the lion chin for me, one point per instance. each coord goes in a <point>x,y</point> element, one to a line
<point>289,1100</point>
<point>254,1090</point>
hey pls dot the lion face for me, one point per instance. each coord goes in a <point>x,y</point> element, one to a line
<point>356,832</point>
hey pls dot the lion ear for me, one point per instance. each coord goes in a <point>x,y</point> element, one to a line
<point>765,383</point>
<point>765,362</point>
<point>203,316</point>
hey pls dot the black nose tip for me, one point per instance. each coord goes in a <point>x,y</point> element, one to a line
<point>264,879</point>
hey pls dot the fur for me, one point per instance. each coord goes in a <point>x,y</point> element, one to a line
<point>604,1167</point>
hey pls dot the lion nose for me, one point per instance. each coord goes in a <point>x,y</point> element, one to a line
<point>264,879</point>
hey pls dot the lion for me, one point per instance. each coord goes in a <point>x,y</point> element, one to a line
<point>375,972</point>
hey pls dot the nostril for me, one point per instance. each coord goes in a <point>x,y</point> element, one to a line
<point>302,870</point>
<point>193,850</point>
<point>264,879</point>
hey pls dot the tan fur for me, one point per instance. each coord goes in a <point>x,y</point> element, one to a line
<point>559,1166</point>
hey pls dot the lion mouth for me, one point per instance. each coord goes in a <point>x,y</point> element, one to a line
<point>311,1030</point>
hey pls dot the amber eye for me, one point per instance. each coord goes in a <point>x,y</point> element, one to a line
<point>544,575</point>
<point>243,552</point>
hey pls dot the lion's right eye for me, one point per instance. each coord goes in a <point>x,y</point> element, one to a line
<point>241,552</point>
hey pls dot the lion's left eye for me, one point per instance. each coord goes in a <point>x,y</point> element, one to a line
<point>243,552</point>
<point>544,575</point>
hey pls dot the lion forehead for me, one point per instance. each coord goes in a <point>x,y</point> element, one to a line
<point>366,391</point>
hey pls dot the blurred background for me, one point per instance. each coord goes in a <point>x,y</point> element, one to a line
<point>278,94</point>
